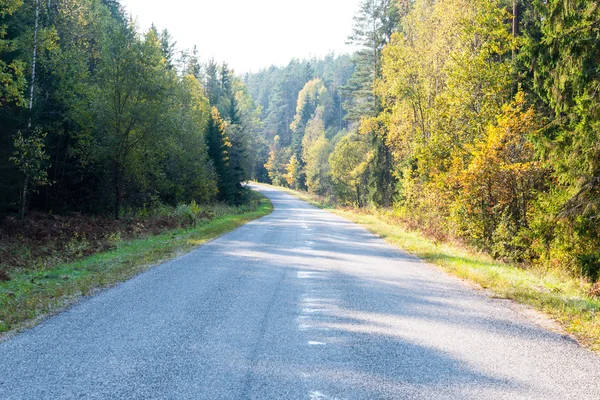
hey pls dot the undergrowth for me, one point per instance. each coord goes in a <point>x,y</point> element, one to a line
<point>39,288</point>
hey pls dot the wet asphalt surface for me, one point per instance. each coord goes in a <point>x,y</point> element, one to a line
<point>300,304</point>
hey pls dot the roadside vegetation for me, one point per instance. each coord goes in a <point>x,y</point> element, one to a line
<point>50,274</point>
<point>482,130</point>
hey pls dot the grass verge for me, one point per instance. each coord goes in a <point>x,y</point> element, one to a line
<point>562,297</point>
<point>31,295</point>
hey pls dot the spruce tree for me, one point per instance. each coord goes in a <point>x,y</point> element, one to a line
<point>168,46</point>
<point>563,51</point>
<point>212,85</point>
<point>218,150</point>
<point>374,25</point>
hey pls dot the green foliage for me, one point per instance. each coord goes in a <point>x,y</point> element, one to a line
<point>192,214</point>
<point>293,175</point>
<point>9,6</point>
<point>500,182</point>
<point>318,175</point>
<point>126,126</point>
<point>484,129</point>
<point>218,150</point>
<point>31,160</point>
<point>12,81</point>
<point>374,24</point>
<point>12,78</point>
<point>228,138</point>
<point>563,51</point>
<point>130,100</point>
<point>188,170</point>
<point>289,98</point>
<point>255,144</point>
<point>349,163</point>
<point>30,157</point>
<point>276,164</point>
<point>309,98</point>
<point>441,90</point>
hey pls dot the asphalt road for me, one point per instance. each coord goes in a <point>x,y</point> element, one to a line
<point>297,305</point>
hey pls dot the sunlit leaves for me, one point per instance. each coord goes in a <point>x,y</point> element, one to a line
<point>350,163</point>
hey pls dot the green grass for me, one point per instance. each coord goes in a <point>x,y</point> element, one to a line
<point>560,296</point>
<point>31,295</point>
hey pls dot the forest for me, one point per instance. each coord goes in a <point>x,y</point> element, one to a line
<point>471,120</point>
<point>110,134</point>
<point>99,118</point>
<point>416,217</point>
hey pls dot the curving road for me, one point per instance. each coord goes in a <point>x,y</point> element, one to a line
<point>300,304</point>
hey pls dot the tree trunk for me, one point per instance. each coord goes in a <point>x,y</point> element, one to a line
<point>34,60</point>
<point>24,199</point>
<point>117,188</point>
<point>389,189</point>
<point>516,22</point>
<point>516,17</point>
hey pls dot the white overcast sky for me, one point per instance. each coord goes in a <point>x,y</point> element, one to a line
<point>251,34</point>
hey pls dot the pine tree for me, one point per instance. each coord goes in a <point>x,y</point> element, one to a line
<point>374,25</point>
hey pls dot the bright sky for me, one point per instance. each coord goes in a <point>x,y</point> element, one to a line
<point>251,34</point>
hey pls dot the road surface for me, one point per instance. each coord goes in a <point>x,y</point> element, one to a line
<point>300,304</point>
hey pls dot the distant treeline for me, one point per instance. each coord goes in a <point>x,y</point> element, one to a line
<point>473,119</point>
<point>97,117</point>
